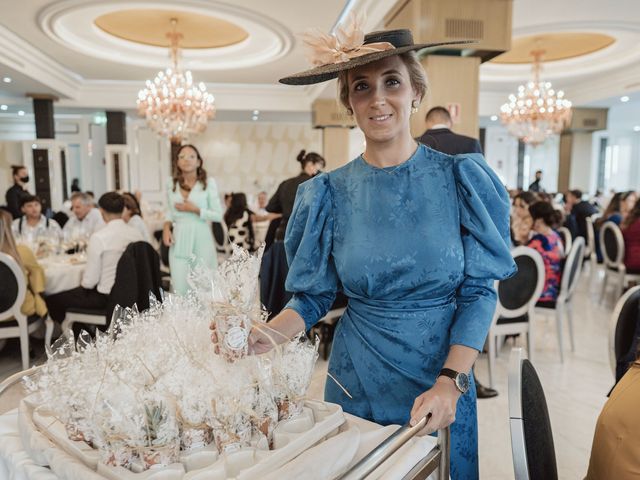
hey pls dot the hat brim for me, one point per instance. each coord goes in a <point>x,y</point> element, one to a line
<point>331,71</point>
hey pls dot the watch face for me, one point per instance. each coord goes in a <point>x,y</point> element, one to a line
<point>462,382</point>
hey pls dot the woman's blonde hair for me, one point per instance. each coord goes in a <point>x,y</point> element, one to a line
<point>7,242</point>
<point>417,76</point>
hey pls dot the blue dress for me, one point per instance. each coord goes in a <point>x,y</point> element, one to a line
<point>416,249</point>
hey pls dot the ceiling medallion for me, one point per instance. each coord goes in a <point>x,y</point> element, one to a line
<point>173,105</point>
<point>536,111</point>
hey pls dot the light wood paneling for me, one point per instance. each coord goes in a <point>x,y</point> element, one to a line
<point>452,81</point>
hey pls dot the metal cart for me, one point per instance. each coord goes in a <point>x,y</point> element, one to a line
<point>437,460</point>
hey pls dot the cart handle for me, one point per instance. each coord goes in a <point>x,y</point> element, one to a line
<point>391,444</point>
<point>15,378</point>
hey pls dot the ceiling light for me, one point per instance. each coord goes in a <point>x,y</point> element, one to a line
<point>174,105</point>
<point>21,112</point>
<point>636,128</point>
<point>34,146</point>
<point>494,118</point>
<point>254,118</point>
<point>256,112</point>
<point>536,111</point>
<point>624,99</point>
<point>6,79</point>
<point>3,107</point>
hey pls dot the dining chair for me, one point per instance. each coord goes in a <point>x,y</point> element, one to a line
<point>565,236</point>
<point>532,448</point>
<point>623,327</point>
<point>13,323</point>
<point>137,274</point>
<point>570,277</point>
<point>517,296</point>
<point>612,247</point>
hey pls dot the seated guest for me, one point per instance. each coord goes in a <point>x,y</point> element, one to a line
<point>612,213</point>
<point>631,233</point>
<point>627,202</point>
<point>240,219</point>
<point>33,223</point>
<point>521,221</point>
<point>577,212</point>
<point>616,442</point>
<point>133,216</point>
<point>85,218</point>
<point>33,303</point>
<point>105,248</point>
<point>548,243</point>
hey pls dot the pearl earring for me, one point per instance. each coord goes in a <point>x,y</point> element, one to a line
<point>349,111</point>
<point>414,107</point>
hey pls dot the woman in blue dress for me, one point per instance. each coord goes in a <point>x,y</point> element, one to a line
<point>415,239</point>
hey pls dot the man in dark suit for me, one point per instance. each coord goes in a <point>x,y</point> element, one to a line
<point>440,137</point>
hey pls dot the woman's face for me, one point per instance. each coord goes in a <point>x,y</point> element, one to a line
<point>20,174</point>
<point>311,169</point>
<point>188,160</point>
<point>126,214</point>
<point>521,209</point>
<point>628,203</point>
<point>381,96</point>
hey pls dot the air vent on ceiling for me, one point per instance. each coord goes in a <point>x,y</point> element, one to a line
<point>590,122</point>
<point>467,29</point>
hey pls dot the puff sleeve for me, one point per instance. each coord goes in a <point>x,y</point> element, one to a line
<point>483,203</point>
<point>312,276</point>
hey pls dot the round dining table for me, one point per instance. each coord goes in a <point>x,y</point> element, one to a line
<point>62,272</point>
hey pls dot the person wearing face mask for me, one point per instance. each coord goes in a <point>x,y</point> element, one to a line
<point>273,271</point>
<point>415,238</point>
<point>18,190</point>
<point>192,200</point>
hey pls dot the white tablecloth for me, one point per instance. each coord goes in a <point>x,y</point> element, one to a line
<point>61,274</point>
<point>321,462</point>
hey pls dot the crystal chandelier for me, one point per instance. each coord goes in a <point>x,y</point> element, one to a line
<point>172,104</point>
<point>537,110</point>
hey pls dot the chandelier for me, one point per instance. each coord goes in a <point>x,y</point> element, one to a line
<point>173,105</point>
<point>537,110</point>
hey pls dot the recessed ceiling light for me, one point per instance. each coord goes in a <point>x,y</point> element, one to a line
<point>3,107</point>
<point>624,99</point>
<point>494,118</point>
<point>256,112</point>
<point>34,146</point>
<point>20,112</point>
<point>636,128</point>
<point>254,118</point>
<point>6,79</point>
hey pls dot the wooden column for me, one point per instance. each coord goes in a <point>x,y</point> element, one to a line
<point>335,147</point>
<point>335,123</point>
<point>453,83</point>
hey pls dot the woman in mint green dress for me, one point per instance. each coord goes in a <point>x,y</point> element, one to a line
<point>192,201</point>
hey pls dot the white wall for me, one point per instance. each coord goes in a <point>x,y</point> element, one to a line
<point>79,131</point>
<point>622,171</point>
<point>581,161</point>
<point>501,152</point>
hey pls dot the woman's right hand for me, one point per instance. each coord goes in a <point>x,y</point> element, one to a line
<point>167,237</point>
<point>261,339</point>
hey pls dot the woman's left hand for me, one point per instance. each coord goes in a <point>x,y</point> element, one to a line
<point>440,401</point>
<point>187,206</point>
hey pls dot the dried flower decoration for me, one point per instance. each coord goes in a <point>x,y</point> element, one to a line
<point>345,44</point>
